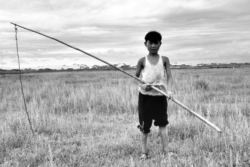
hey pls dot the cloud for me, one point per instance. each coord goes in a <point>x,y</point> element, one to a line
<point>193,30</point>
<point>2,62</point>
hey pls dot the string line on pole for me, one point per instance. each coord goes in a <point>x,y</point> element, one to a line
<point>21,83</point>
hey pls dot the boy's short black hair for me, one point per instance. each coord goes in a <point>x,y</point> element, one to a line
<point>153,36</point>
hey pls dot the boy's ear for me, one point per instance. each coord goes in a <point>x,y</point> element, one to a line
<point>160,43</point>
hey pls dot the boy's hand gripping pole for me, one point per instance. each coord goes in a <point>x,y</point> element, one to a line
<point>162,92</point>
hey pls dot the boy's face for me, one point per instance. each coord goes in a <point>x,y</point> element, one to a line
<point>153,47</point>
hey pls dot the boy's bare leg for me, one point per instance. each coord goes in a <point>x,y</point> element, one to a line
<point>164,137</point>
<point>144,142</point>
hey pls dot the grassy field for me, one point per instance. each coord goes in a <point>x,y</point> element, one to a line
<point>89,119</point>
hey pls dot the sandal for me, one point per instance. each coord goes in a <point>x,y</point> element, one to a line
<point>144,156</point>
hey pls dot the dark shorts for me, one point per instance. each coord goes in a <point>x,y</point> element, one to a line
<point>152,108</point>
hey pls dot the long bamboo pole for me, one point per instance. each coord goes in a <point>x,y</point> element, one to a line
<point>111,65</point>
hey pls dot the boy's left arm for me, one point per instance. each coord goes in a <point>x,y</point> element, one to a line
<point>169,77</point>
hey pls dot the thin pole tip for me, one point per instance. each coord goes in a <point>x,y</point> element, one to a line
<point>218,130</point>
<point>13,24</point>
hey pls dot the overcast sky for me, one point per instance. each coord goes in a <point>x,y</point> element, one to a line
<point>194,31</point>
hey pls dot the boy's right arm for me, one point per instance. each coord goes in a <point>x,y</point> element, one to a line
<point>140,66</point>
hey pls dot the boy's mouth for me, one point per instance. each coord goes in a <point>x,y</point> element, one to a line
<point>153,49</point>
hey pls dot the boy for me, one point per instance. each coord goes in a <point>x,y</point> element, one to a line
<point>152,105</point>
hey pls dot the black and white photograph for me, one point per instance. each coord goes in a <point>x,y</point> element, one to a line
<point>124,83</point>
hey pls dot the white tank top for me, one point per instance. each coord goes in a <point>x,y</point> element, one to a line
<point>155,75</point>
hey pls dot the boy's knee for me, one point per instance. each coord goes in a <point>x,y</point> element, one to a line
<point>163,129</point>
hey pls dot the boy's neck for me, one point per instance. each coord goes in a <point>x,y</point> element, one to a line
<point>153,54</point>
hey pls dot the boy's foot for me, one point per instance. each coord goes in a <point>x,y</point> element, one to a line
<point>144,156</point>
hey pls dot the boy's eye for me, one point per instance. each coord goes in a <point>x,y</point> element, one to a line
<point>151,43</point>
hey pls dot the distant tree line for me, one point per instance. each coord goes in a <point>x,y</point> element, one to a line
<point>127,67</point>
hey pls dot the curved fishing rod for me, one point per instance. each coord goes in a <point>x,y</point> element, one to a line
<point>111,65</point>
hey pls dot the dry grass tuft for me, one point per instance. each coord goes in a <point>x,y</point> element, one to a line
<point>202,85</point>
